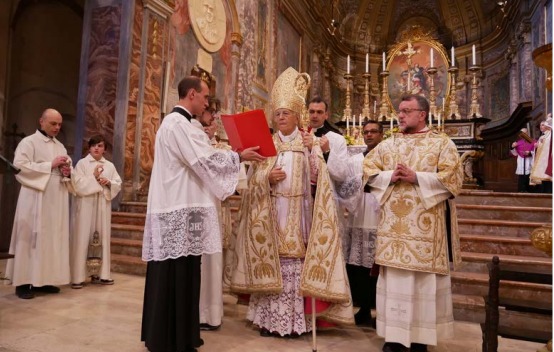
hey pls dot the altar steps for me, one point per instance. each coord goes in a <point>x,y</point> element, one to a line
<point>491,223</point>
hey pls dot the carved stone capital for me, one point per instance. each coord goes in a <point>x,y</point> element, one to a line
<point>236,38</point>
<point>159,7</point>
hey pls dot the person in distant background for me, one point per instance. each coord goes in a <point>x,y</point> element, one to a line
<point>523,150</point>
<point>541,172</point>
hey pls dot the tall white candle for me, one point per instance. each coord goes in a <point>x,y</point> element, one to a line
<point>432,58</point>
<point>452,57</point>
<point>361,118</point>
<point>347,126</point>
<point>409,83</point>
<point>439,120</point>
<point>348,64</point>
<point>374,107</point>
<point>367,63</point>
<point>473,56</point>
<point>430,121</point>
<point>384,61</point>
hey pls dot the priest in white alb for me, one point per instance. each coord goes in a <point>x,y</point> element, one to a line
<point>40,235</point>
<point>189,179</point>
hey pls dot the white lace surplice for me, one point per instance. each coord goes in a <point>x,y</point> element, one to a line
<point>189,178</point>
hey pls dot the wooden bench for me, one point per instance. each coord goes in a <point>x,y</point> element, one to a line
<point>492,327</point>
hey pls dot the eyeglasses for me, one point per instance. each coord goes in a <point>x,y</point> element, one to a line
<point>371,131</point>
<point>407,111</point>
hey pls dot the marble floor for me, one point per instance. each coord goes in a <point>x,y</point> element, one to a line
<point>108,318</point>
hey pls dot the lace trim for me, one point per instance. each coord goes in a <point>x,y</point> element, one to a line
<point>349,192</point>
<point>182,232</point>
<point>360,247</point>
<point>220,171</point>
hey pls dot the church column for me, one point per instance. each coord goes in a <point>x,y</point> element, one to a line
<point>104,76</point>
<point>525,61</point>
<point>236,43</point>
<point>328,65</point>
<point>316,75</point>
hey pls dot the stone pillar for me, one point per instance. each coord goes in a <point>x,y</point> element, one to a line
<point>236,43</point>
<point>316,75</point>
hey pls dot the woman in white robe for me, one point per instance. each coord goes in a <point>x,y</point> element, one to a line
<point>96,183</point>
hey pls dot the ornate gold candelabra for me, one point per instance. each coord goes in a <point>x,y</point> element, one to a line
<point>347,108</point>
<point>432,93</point>
<point>474,108</point>
<point>454,113</point>
<point>384,110</point>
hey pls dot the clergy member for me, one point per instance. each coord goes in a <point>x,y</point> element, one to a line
<point>96,183</point>
<point>359,239</point>
<point>288,245</point>
<point>189,177</point>
<point>541,172</point>
<point>413,174</point>
<point>40,236</point>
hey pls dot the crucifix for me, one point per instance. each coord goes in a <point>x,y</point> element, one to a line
<point>409,52</point>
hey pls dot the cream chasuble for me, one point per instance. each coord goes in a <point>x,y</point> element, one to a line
<point>40,236</point>
<point>276,221</point>
<point>412,228</point>
<point>92,211</point>
<point>542,154</point>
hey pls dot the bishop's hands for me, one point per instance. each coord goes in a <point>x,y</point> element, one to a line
<point>276,175</point>
<point>404,173</point>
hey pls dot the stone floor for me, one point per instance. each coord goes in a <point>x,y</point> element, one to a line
<point>108,318</point>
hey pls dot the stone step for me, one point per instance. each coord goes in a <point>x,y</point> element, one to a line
<point>472,308</point>
<point>469,283</point>
<point>126,264</point>
<point>132,207</point>
<point>504,212</point>
<point>134,232</point>
<point>126,246</point>
<point>498,227</point>
<point>499,245</point>
<point>504,198</point>
<point>122,217</point>
<point>477,262</point>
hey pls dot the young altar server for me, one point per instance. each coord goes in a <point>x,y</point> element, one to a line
<point>96,183</point>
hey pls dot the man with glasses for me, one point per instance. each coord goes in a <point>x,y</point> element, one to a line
<point>412,174</point>
<point>359,241</point>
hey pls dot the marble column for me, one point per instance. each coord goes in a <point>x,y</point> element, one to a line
<point>236,43</point>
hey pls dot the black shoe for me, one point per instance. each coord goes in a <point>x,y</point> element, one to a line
<point>265,333</point>
<point>24,292</point>
<point>418,347</point>
<point>208,327</point>
<point>46,289</point>
<point>363,318</point>
<point>395,347</point>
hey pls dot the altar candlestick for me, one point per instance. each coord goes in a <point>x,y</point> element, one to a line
<point>384,61</point>
<point>367,63</point>
<point>452,57</point>
<point>473,55</point>
<point>348,64</point>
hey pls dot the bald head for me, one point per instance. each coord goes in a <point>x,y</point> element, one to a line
<point>51,122</point>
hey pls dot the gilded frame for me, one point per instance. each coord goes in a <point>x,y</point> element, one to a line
<point>401,70</point>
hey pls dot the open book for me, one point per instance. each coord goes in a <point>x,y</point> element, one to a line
<point>249,129</point>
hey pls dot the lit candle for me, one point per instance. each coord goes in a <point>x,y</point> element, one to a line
<point>473,55</point>
<point>348,64</point>
<point>452,57</point>
<point>432,58</point>
<point>347,126</point>
<point>384,61</point>
<point>367,63</point>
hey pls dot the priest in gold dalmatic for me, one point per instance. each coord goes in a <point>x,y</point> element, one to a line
<point>288,246</point>
<point>413,174</point>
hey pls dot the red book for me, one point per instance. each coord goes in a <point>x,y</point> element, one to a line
<point>249,129</point>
